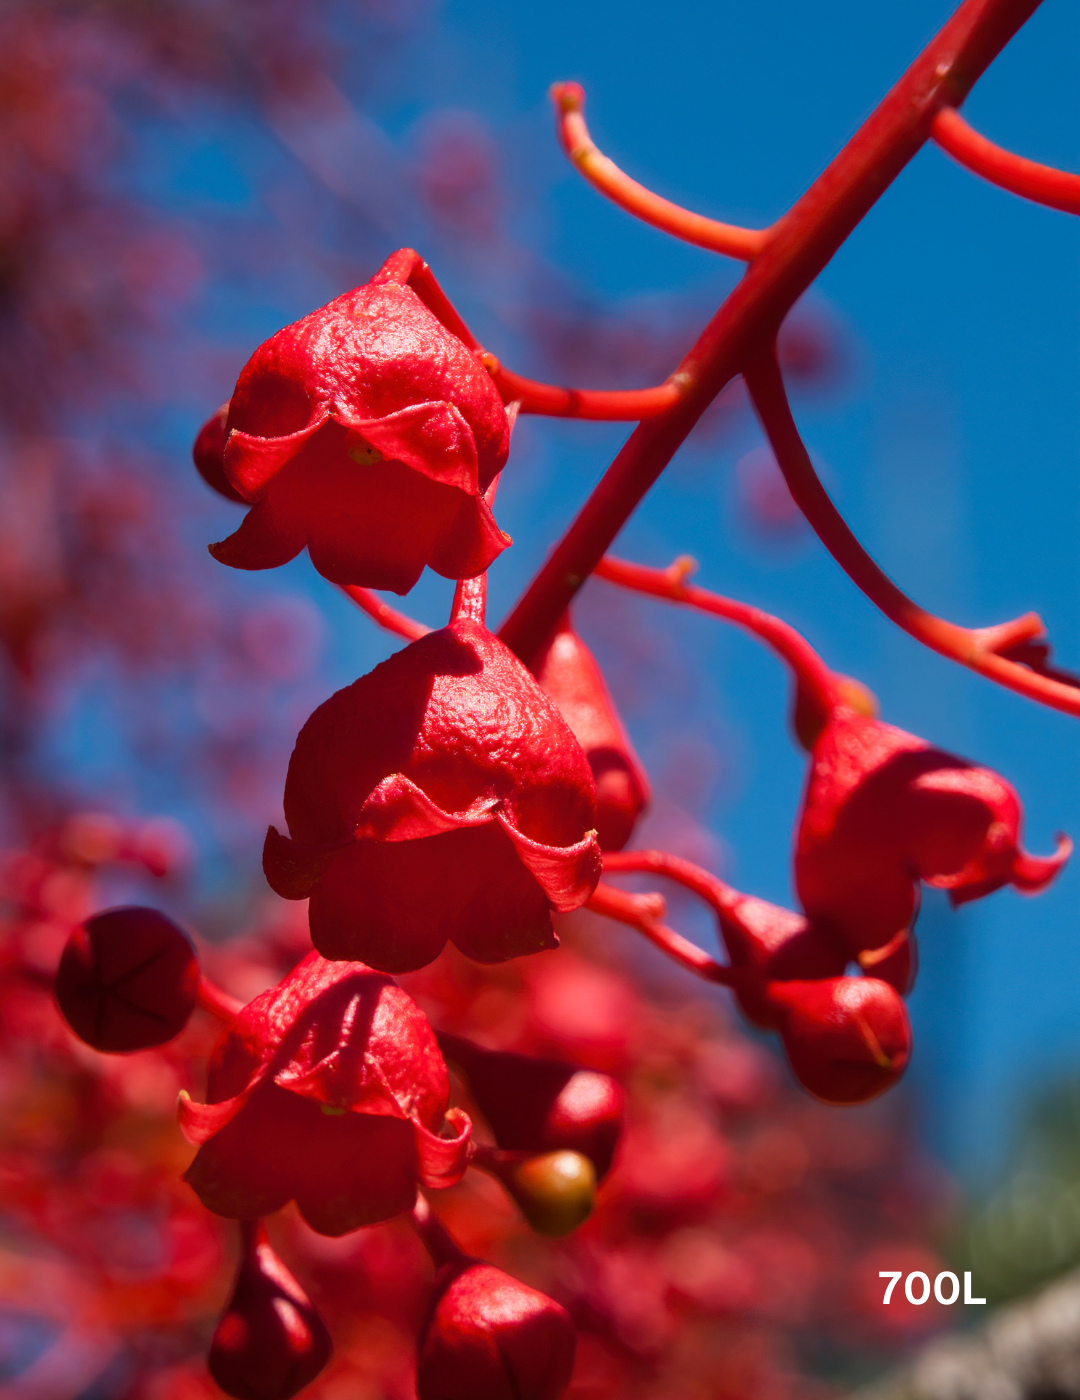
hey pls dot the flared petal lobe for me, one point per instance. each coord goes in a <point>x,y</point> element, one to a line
<point>368,433</point>
<point>442,796</point>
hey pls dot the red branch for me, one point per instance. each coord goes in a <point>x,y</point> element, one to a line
<point>670,584</point>
<point>1058,189</point>
<point>386,616</point>
<point>645,913</point>
<point>218,1002</point>
<point>977,648</point>
<point>798,247</point>
<point>604,175</point>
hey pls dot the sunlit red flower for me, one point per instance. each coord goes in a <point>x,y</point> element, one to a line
<point>489,1337</point>
<point>329,1089</point>
<point>270,1341</point>
<point>441,796</point>
<point>883,810</point>
<point>369,433</point>
<point>568,672</point>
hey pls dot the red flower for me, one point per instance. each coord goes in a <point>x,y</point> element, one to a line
<point>884,810</point>
<point>329,1089</point>
<point>128,979</point>
<point>568,673</point>
<point>441,796</point>
<point>368,432</point>
<point>489,1337</point>
<point>270,1341</point>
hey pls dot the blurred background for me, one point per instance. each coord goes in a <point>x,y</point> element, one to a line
<point>180,178</point>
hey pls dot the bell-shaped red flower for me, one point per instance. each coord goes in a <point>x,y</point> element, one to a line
<point>329,1090</point>
<point>489,1337</point>
<point>848,1038</point>
<point>369,433</point>
<point>441,796</point>
<point>270,1341</point>
<point>536,1105</point>
<point>568,673</point>
<point>128,979</point>
<point>883,810</point>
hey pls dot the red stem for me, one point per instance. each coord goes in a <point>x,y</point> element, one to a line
<point>643,912</point>
<point>386,616</point>
<point>977,648</point>
<point>798,247</point>
<point>604,175</point>
<point>437,1239</point>
<point>670,584</point>
<point>1058,189</point>
<point>216,1001</point>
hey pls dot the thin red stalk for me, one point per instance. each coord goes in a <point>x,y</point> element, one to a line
<point>407,268</point>
<point>977,648</point>
<point>386,616</point>
<point>219,1003</point>
<point>1058,189</point>
<point>604,175</point>
<point>437,1239</point>
<point>798,247</point>
<point>670,584</point>
<point>470,599</point>
<point>643,912</point>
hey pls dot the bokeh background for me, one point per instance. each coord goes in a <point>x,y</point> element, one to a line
<point>179,179</point>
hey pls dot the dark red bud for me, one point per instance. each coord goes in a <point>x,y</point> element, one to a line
<point>848,1038</point>
<point>209,456</point>
<point>270,1341</point>
<point>128,980</point>
<point>540,1105</point>
<point>489,1337</point>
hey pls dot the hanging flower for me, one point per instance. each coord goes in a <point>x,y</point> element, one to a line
<point>329,1090</point>
<point>369,433</point>
<point>441,796</point>
<point>884,810</point>
<point>568,673</point>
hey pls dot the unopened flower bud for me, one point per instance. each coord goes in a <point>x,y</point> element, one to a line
<point>128,980</point>
<point>555,1191</point>
<point>489,1337</point>
<point>848,1038</point>
<point>536,1105</point>
<point>270,1341</point>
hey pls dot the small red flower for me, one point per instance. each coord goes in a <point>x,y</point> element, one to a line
<point>128,980</point>
<point>848,1038</point>
<point>568,673</point>
<point>883,810</point>
<point>489,1337</point>
<point>441,796</point>
<point>270,1342</point>
<point>329,1090</point>
<point>369,433</point>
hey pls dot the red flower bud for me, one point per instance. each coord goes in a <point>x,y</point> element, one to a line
<point>329,1089</point>
<point>368,432</point>
<point>270,1341</point>
<point>848,1038</point>
<point>568,673</point>
<point>489,1337</point>
<point>209,456</point>
<point>128,979</point>
<point>540,1105</point>
<point>884,810</point>
<point>441,796</point>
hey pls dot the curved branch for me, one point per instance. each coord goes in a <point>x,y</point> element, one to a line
<point>1057,189</point>
<point>602,405</point>
<point>670,584</point>
<point>604,175</point>
<point>978,648</point>
<point>386,616</point>
<point>645,913</point>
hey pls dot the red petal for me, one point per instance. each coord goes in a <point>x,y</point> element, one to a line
<point>397,810</point>
<point>292,870</point>
<point>252,462</point>
<point>443,1160</point>
<point>432,438</point>
<point>567,874</point>
<point>264,540</point>
<point>471,543</point>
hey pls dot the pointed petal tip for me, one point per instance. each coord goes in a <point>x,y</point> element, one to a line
<point>1033,873</point>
